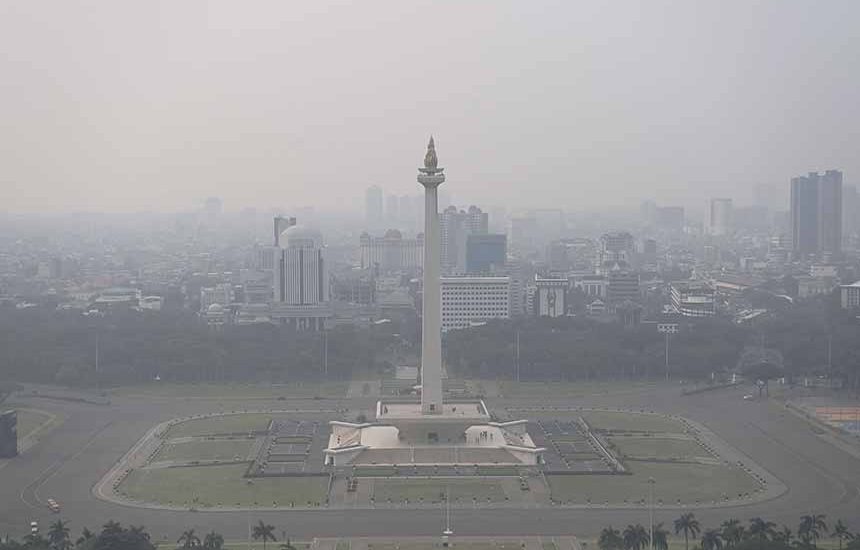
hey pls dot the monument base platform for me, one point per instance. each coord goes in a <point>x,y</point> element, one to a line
<point>460,433</point>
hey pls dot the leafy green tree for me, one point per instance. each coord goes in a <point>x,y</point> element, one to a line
<point>85,538</point>
<point>265,532</point>
<point>712,540</point>
<point>610,539</point>
<point>635,537</point>
<point>689,525</point>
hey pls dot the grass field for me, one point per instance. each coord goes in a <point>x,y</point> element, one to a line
<point>232,423</point>
<point>572,389</point>
<point>433,490</point>
<point>688,483</point>
<point>206,486</point>
<point>656,447</point>
<point>221,449</point>
<point>30,420</point>
<point>625,421</point>
<point>235,391</point>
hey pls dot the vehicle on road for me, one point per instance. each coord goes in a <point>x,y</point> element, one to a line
<point>53,506</point>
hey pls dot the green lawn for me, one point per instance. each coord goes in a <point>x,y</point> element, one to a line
<point>30,420</point>
<point>625,421</point>
<point>432,490</point>
<point>573,389</point>
<point>656,447</point>
<point>687,482</point>
<point>232,423</point>
<point>221,485</point>
<point>219,449</point>
<point>235,391</point>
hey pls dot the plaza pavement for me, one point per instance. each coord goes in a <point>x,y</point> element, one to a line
<point>68,462</point>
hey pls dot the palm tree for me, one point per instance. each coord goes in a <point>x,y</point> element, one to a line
<point>58,535</point>
<point>188,539</point>
<point>712,540</point>
<point>213,541</point>
<point>731,532</point>
<point>610,539</point>
<point>689,525</point>
<point>660,537</point>
<point>86,535</point>
<point>841,532</point>
<point>784,536</point>
<point>265,532</point>
<point>811,527</point>
<point>762,530</point>
<point>636,537</point>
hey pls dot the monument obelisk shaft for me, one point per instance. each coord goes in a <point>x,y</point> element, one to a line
<point>431,177</point>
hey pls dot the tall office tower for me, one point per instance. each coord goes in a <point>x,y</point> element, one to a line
<point>816,213</point>
<point>455,226</point>
<point>280,224</point>
<point>830,213</point>
<point>486,253</point>
<point>670,218</point>
<point>301,274</point>
<point>616,248</point>
<point>720,219</point>
<point>373,206</point>
<point>392,208</point>
<point>850,210</point>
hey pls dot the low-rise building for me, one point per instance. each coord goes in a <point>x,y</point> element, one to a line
<point>693,298</point>
<point>850,295</point>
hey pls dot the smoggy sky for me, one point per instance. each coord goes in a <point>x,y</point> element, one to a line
<point>155,105</point>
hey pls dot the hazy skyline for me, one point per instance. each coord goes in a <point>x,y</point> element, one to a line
<point>156,105</point>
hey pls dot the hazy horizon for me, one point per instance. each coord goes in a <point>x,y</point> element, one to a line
<point>154,106</point>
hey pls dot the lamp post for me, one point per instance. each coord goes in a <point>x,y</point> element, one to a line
<point>667,329</point>
<point>651,513</point>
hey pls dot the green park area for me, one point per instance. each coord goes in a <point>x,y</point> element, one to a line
<point>222,485</point>
<point>434,490</point>
<point>222,424</point>
<point>206,449</point>
<point>659,448</point>
<point>629,421</point>
<point>30,420</point>
<point>687,483</point>
<point>235,392</point>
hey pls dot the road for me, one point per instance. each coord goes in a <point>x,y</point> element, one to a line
<point>69,461</point>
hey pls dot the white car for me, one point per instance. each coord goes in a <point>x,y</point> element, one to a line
<point>749,397</point>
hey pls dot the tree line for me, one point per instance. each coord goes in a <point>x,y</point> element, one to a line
<point>732,534</point>
<point>114,536</point>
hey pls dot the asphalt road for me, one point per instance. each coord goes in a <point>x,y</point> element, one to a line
<point>68,462</point>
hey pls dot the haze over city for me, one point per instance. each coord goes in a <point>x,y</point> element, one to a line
<point>409,275</point>
<point>125,106</point>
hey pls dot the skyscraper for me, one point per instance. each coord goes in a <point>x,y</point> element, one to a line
<point>301,271</point>
<point>720,217</point>
<point>816,213</point>
<point>455,228</point>
<point>373,206</point>
<point>486,252</point>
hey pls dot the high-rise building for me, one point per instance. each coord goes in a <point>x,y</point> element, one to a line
<point>485,253</point>
<point>720,217</point>
<point>670,218</point>
<point>850,210</point>
<point>455,226</point>
<point>281,224</point>
<point>373,206</point>
<point>616,249</point>
<point>816,214</point>
<point>301,273</point>
<point>392,208</point>
<point>391,253</point>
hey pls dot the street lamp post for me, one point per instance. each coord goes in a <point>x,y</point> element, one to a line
<point>651,512</point>
<point>667,329</point>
